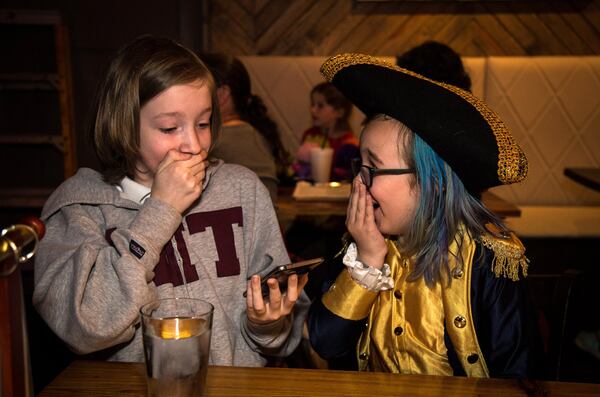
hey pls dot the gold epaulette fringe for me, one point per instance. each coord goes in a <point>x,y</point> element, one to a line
<point>509,253</point>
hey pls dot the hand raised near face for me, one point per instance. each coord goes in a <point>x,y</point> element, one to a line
<point>178,180</point>
<point>360,221</point>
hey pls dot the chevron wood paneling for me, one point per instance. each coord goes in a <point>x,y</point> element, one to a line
<point>324,27</point>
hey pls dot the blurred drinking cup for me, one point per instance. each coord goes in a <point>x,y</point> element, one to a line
<point>176,346</point>
<point>320,164</point>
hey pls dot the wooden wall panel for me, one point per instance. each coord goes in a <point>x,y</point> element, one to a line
<point>324,27</point>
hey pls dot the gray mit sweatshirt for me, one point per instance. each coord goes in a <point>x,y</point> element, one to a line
<point>104,256</point>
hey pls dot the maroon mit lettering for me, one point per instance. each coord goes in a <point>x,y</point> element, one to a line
<point>221,222</point>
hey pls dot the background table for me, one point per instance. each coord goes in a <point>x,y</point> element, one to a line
<point>93,378</point>
<point>287,207</point>
<point>589,177</point>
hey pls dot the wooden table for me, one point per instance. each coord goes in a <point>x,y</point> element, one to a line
<point>589,177</point>
<point>93,378</point>
<point>288,208</point>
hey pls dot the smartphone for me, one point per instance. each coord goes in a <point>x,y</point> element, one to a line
<point>281,273</point>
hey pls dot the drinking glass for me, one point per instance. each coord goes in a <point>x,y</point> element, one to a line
<point>176,346</point>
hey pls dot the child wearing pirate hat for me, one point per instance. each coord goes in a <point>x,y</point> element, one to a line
<point>431,284</point>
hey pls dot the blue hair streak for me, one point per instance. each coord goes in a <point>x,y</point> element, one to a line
<point>444,205</point>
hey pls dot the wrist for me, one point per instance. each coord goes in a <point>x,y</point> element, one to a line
<point>375,263</point>
<point>375,260</point>
<point>166,201</point>
<point>265,326</point>
<point>366,275</point>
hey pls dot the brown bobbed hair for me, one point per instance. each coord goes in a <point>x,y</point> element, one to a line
<point>140,71</point>
<point>336,100</point>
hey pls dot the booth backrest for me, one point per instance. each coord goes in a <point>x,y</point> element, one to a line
<point>551,104</point>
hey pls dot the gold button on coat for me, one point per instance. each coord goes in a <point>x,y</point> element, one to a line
<point>473,358</point>
<point>460,321</point>
<point>457,274</point>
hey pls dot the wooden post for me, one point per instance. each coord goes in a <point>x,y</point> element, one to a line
<point>15,365</point>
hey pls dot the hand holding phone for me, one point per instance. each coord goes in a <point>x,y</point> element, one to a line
<point>281,273</point>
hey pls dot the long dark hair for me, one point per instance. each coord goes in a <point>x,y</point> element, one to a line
<point>230,71</point>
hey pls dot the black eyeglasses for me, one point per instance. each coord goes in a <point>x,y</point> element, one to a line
<point>368,173</point>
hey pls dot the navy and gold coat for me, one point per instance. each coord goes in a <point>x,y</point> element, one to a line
<point>478,324</point>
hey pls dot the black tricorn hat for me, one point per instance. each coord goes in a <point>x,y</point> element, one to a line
<point>461,128</point>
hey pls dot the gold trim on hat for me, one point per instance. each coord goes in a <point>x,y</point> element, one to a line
<point>512,163</point>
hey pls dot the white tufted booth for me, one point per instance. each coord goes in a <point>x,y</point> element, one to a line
<point>552,105</point>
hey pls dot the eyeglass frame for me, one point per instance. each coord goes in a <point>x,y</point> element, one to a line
<point>357,167</point>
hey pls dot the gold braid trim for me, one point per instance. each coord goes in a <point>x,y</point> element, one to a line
<point>512,163</point>
<point>509,253</point>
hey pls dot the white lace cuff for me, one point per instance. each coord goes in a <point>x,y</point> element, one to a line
<point>367,276</point>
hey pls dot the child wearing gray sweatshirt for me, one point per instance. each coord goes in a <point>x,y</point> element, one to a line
<point>161,220</point>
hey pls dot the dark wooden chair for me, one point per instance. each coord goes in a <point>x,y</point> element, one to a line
<point>17,246</point>
<point>551,295</point>
<point>15,366</point>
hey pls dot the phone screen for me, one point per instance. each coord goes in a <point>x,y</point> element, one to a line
<point>281,273</point>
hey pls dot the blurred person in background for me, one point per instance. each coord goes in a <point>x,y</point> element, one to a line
<point>436,61</point>
<point>330,112</point>
<point>248,137</point>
